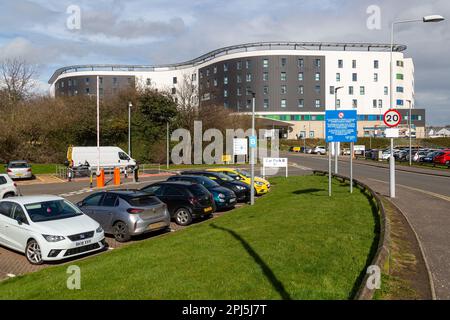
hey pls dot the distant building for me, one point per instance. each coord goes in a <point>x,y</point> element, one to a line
<point>438,132</point>
<point>294,83</point>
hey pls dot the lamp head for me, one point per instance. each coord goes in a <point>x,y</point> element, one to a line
<point>433,18</point>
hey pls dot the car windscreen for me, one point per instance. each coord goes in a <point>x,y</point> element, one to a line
<point>208,183</point>
<point>224,177</point>
<point>143,201</point>
<point>243,172</point>
<point>18,165</point>
<point>52,210</point>
<point>197,190</point>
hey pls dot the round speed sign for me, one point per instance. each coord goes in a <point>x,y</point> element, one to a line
<point>392,118</point>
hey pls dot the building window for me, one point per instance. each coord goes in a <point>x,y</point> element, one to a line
<point>400,63</point>
<point>283,62</point>
<point>207,83</point>
<point>249,77</point>
<point>301,103</point>
<point>317,89</point>
<point>239,91</point>
<point>265,63</point>
<point>331,89</point>
<point>115,81</point>
<point>301,89</point>
<point>238,78</point>
<point>248,64</point>
<point>283,89</point>
<point>69,83</point>
<point>207,72</point>
<point>174,91</point>
<point>338,103</point>
<point>400,89</point>
<point>225,104</point>
<point>87,81</point>
<point>376,64</point>
<point>283,103</point>
<point>350,90</point>
<point>317,63</point>
<point>266,90</point>
<point>354,77</point>
<point>62,84</point>
<point>300,63</point>
<point>194,77</point>
<point>374,103</point>
<point>380,103</point>
<point>340,64</point>
<point>266,103</point>
<point>354,64</point>
<point>399,76</point>
<point>386,91</point>
<point>311,134</point>
<point>317,103</point>
<point>317,76</point>
<point>149,81</point>
<point>215,83</point>
<point>300,76</point>
<point>215,69</point>
<point>248,91</point>
<point>174,80</point>
<point>283,76</point>
<point>400,102</point>
<point>225,93</point>
<point>375,77</point>
<point>239,65</point>
<point>362,90</point>
<point>355,103</point>
<point>225,80</point>
<point>248,105</point>
<point>87,90</point>
<point>265,76</point>
<point>338,77</point>
<point>201,74</point>
<point>225,67</point>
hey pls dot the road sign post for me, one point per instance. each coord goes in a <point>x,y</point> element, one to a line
<point>340,126</point>
<point>392,119</point>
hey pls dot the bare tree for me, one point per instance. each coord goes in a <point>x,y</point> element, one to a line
<point>187,101</point>
<point>16,80</point>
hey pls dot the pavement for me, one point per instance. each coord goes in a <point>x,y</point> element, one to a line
<point>424,199</point>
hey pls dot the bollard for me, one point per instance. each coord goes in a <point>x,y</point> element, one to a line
<point>116,176</point>
<point>91,180</point>
<point>101,179</point>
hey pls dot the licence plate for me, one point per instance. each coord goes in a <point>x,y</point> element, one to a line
<point>82,243</point>
<point>156,225</point>
<point>19,175</point>
<point>207,209</point>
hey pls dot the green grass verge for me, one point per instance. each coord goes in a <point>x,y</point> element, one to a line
<point>38,168</point>
<point>295,243</point>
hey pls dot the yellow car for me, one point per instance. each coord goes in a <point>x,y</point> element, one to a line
<point>262,186</point>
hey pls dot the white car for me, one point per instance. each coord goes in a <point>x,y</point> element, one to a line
<point>7,187</point>
<point>319,150</point>
<point>48,228</point>
<point>19,170</point>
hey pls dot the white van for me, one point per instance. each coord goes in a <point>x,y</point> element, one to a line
<point>110,157</point>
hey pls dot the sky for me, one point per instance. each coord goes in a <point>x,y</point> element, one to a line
<point>168,31</point>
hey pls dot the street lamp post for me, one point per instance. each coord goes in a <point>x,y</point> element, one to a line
<point>167,144</point>
<point>426,19</point>
<point>336,143</point>
<point>252,154</point>
<point>98,126</point>
<point>130,105</point>
<point>409,131</point>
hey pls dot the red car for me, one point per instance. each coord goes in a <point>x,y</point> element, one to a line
<point>442,158</point>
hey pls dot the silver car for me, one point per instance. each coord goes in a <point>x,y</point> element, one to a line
<point>19,170</point>
<point>126,213</point>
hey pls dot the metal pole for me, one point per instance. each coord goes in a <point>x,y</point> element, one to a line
<point>329,169</point>
<point>98,125</point>
<point>391,158</point>
<point>129,129</point>
<point>252,155</point>
<point>351,166</point>
<point>335,144</point>
<point>167,145</point>
<point>410,141</point>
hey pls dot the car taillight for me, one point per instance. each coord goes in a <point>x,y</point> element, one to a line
<point>15,184</point>
<point>133,210</point>
<point>29,170</point>
<point>8,170</point>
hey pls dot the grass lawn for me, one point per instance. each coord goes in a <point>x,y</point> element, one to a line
<point>38,168</point>
<point>295,243</point>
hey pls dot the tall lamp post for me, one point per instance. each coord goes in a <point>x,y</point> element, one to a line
<point>130,105</point>
<point>252,154</point>
<point>409,131</point>
<point>336,143</point>
<point>426,19</point>
<point>98,126</point>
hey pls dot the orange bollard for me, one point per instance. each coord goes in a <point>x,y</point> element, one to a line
<point>101,179</point>
<point>116,176</point>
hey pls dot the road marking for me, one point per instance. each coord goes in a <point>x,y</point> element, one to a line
<point>437,195</point>
<point>10,275</point>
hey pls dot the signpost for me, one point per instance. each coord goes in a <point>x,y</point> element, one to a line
<point>275,163</point>
<point>392,119</point>
<point>340,126</point>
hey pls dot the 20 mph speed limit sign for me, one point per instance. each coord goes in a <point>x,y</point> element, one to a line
<point>392,118</point>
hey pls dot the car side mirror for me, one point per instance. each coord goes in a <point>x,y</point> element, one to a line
<point>80,204</point>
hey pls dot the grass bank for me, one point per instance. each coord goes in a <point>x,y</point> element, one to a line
<point>38,168</point>
<point>295,243</point>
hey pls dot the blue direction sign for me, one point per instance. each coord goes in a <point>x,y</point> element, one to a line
<point>253,142</point>
<point>341,126</point>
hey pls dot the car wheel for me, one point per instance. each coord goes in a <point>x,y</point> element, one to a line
<point>8,195</point>
<point>33,252</point>
<point>121,232</point>
<point>183,217</point>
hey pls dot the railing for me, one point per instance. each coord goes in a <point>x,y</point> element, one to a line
<point>382,255</point>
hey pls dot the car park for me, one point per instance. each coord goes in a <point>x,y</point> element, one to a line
<point>442,158</point>
<point>126,213</point>
<point>241,189</point>
<point>48,228</point>
<point>185,201</point>
<point>319,150</point>
<point>262,186</point>
<point>19,169</point>
<point>429,157</point>
<point>224,198</point>
<point>7,187</point>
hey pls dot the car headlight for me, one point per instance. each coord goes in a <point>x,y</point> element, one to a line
<point>50,238</point>
<point>99,230</point>
<point>240,188</point>
<point>221,196</point>
<point>260,184</point>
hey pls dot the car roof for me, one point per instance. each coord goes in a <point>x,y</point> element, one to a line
<point>34,199</point>
<point>18,161</point>
<point>196,177</point>
<point>185,183</point>
<point>127,192</point>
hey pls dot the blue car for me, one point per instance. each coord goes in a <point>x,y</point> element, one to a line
<point>224,198</point>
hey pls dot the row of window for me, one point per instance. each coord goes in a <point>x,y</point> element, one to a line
<point>87,81</point>
<point>376,64</point>
<point>307,117</point>
<point>283,104</point>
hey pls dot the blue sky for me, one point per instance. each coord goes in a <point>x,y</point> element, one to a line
<point>157,31</point>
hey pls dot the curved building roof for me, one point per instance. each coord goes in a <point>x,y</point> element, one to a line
<point>248,47</point>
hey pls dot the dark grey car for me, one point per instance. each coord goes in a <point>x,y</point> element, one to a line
<point>125,213</point>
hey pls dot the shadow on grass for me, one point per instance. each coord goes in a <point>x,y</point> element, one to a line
<point>276,284</point>
<point>305,191</point>
<point>373,247</point>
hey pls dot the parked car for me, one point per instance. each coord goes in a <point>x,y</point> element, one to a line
<point>126,213</point>
<point>241,189</point>
<point>319,150</point>
<point>19,169</point>
<point>418,156</point>
<point>346,152</point>
<point>7,187</point>
<point>224,198</point>
<point>262,186</point>
<point>185,201</point>
<point>386,154</point>
<point>429,158</point>
<point>442,158</point>
<point>48,228</point>
<point>295,149</point>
